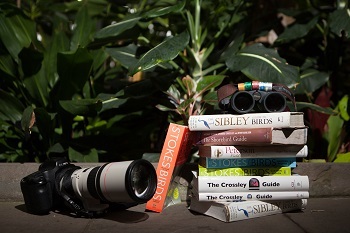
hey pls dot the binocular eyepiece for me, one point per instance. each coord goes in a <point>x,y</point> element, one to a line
<point>247,101</point>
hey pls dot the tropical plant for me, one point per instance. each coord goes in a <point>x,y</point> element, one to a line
<point>85,78</point>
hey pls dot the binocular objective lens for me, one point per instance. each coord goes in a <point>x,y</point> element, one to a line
<point>242,102</point>
<point>275,102</point>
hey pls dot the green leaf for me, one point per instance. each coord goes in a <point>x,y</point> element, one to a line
<point>343,107</point>
<point>16,30</point>
<point>110,102</point>
<point>164,10</point>
<point>88,156</point>
<point>124,55</point>
<point>303,105</point>
<point>189,83</point>
<point>57,148</point>
<point>7,65</point>
<point>82,106</point>
<point>174,94</point>
<point>342,158</point>
<point>82,34</point>
<point>74,70</point>
<point>30,61</point>
<point>28,119</point>
<point>340,22</point>
<point>296,31</point>
<point>210,81</point>
<point>335,124</point>
<point>58,43</point>
<point>233,47</point>
<point>117,28</point>
<point>211,98</point>
<point>263,64</point>
<point>164,108</point>
<point>165,51</point>
<point>37,86</point>
<point>11,108</point>
<point>310,81</point>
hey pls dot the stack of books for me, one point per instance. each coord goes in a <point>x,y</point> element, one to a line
<point>246,162</point>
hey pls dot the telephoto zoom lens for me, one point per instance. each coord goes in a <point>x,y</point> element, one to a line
<point>242,102</point>
<point>117,182</point>
<point>274,102</point>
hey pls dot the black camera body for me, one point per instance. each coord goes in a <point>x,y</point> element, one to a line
<point>91,191</point>
<point>41,189</point>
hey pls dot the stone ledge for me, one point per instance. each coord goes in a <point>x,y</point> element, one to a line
<point>326,179</point>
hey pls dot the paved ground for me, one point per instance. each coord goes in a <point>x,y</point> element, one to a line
<point>326,215</point>
<point>326,212</point>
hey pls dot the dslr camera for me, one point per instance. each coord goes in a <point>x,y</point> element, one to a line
<point>254,97</point>
<point>88,191</point>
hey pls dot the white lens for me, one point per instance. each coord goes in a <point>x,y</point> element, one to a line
<point>117,182</point>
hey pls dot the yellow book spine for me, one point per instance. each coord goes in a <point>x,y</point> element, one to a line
<point>245,171</point>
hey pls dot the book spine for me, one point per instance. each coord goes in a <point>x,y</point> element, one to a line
<point>253,209</point>
<point>247,162</point>
<point>174,152</point>
<point>226,152</point>
<point>247,196</point>
<point>250,120</point>
<point>235,137</point>
<point>236,211</point>
<point>248,171</point>
<point>225,184</point>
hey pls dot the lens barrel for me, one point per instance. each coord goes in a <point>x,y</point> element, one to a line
<point>117,182</point>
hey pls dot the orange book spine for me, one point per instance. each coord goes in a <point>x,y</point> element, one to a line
<point>175,151</point>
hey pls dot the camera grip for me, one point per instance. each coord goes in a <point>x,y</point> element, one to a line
<point>37,193</point>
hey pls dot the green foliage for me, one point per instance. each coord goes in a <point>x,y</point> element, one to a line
<point>98,80</point>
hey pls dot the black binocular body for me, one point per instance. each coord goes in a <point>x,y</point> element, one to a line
<point>249,97</point>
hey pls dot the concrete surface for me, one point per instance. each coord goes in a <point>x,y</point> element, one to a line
<point>322,215</point>
<point>328,209</point>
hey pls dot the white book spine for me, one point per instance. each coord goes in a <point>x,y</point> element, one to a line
<point>244,210</point>
<point>249,120</point>
<point>226,184</point>
<point>247,196</point>
<point>227,152</point>
<point>236,211</point>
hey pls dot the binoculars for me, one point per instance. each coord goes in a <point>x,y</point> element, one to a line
<point>250,99</point>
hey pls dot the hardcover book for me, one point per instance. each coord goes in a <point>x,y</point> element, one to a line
<point>247,162</point>
<point>227,152</point>
<point>255,136</point>
<point>246,171</point>
<point>226,184</point>
<point>174,153</point>
<point>249,120</point>
<point>248,196</point>
<point>236,211</point>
